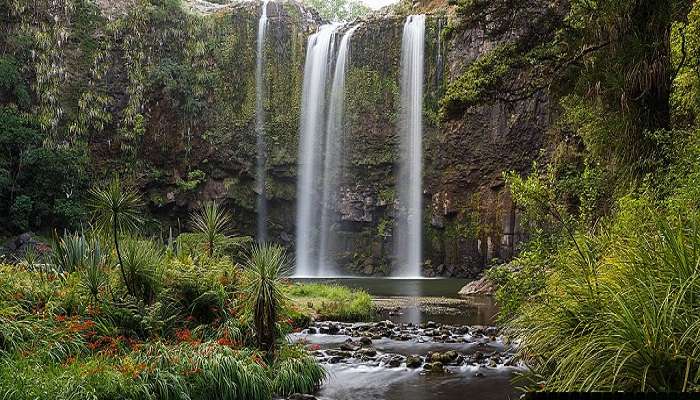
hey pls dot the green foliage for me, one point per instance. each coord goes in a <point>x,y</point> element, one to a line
<point>194,179</point>
<point>482,77</point>
<point>339,10</point>
<point>333,302</point>
<point>11,82</point>
<point>39,186</point>
<point>621,313</point>
<point>116,210</point>
<point>142,263</point>
<point>264,270</point>
<point>212,221</point>
<point>70,253</point>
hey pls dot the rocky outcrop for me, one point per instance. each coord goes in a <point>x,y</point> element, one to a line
<point>479,287</point>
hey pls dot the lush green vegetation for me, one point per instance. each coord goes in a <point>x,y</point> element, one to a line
<point>333,302</point>
<point>339,10</point>
<point>604,295</point>
<point>150,320</point>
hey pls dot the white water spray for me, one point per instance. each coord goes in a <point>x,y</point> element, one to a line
<point>332,165</point>
<point>261,159</point>
<point>316,69</point>
<point>409,219</point>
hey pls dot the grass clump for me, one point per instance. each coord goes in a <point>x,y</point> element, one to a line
<point>332,302</point>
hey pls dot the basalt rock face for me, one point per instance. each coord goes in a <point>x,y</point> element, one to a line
<point>164,92</point>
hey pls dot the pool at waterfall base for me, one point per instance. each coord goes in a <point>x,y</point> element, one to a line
<point>426,343</point>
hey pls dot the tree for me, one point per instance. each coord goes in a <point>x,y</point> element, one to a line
<point>339,10</point>
<point>116,210</point>
<point>212,221</point>
<point>264,269</point>
<point>39,185</point>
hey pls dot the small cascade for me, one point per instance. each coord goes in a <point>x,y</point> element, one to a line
<point>318,64</point>
<point>261,148</point>
<point>333,157</point>
<point>409,217</point>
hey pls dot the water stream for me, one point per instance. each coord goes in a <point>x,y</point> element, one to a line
<point>372,360</point>
<point>333,154</point>
<point>261,148</point>
<point>409,218</point>
<point>313,115</point>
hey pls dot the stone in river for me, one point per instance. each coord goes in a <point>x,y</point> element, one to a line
<point>366,352</point>
<point>301,396</point>
<point>348,347</point>
<point>413,361</point>
<point>434,367</point>
<point>365,341</point>
<point>395,362</point>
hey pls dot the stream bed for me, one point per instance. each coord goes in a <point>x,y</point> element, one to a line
<point>428,344</point>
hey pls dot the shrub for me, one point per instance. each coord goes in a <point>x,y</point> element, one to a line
<point>620,313</point>
<point>143,268</point>
<point>263,273</point>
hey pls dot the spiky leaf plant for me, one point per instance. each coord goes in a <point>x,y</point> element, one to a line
<point>116,209</point>
<point>70,252</point>
<point>94,277</point>
<point>212,221</point>
<point>142,263</point>
<point>264,269</point>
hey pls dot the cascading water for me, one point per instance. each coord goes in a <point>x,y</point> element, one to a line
<point>333,157</point>
<point>408,221</point>
<point>261,159</point>
<point>316,68</point>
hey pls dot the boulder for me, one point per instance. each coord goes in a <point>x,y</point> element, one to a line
<point>413,361</point>
<point>480,287</point>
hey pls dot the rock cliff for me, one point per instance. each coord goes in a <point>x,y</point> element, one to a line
<point>163,92</point>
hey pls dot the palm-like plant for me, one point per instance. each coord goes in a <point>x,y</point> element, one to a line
<point>212,221</point>
<point>116,209</point>
<point>93,278</point>
<point>264,269</point>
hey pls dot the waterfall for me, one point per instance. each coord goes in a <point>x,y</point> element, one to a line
<point>261,158</point>
<point>313,106</point>
<point>409,216</point>
<point>333,157</point>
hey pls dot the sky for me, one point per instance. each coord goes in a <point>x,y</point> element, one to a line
<point>376,4</point>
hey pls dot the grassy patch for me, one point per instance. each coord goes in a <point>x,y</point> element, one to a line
<point>332,302</point>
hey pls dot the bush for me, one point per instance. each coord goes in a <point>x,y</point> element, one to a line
<point>620,311</point>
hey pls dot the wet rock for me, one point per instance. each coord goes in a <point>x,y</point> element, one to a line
<point>368,352</point>
<point>339,353</point>
<point>435,367</point>
<point>413,361</point>
<point>348,347</point>
<point>311,330</point>
<point>301,396</point>
<point>335,360</point>
<point>365,341</point>
<point>395,362</point>
<point>479,374</point>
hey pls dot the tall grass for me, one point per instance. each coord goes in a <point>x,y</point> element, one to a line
<point>630,321</point>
